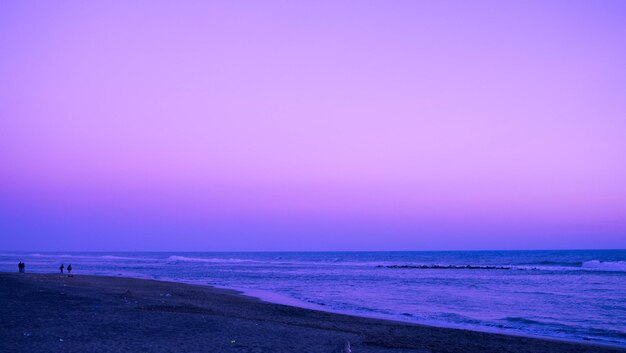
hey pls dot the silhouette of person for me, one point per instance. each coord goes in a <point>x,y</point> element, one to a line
<point>61,268</point>
<point>69,268</point>
<point>19,267</point>
<point>23,267</point>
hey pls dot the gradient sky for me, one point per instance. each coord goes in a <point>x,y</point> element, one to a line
<point>320,125</point>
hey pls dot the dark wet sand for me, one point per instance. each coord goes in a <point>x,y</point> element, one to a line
<point>54,313</point>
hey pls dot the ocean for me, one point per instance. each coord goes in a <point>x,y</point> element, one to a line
<point>571,294</point>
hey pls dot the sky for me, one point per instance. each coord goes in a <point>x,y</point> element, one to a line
<point>312,125</point>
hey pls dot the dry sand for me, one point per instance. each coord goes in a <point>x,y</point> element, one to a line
<point>55,313</point>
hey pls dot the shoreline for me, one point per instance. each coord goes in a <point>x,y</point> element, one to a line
<point>275,298</point>
<point>280,299</point>
<point>137,312</point>
<point>288,301</point>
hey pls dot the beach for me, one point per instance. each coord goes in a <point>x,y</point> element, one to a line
<point>57,313</point>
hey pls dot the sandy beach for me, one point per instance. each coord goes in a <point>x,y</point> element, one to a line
<point>56,313</point>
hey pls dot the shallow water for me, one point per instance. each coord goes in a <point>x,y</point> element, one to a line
<point>578,295</point>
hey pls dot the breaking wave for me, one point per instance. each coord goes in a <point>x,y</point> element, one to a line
<point>176,258</point>
<point>447,267</point>
<point>597,265</point>
<point>558,263</point>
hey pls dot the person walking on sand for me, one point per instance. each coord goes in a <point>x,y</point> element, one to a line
<point>69,269</point>
<point>20,267</point>
<point>61,268</point>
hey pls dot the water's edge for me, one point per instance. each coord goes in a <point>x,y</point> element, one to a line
<point>571,296</point>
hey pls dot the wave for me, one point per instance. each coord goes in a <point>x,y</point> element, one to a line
<point>592,265</point>
<point>585,331</point>
<point>557,263</point>
<point>176,258</point>
<point>597,265</point>
<point>111,257</point>
<point>273,262</point>
<point>447,267</point>
<point>526,321</point>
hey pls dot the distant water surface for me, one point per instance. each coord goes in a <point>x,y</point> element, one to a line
<point>578,295</point>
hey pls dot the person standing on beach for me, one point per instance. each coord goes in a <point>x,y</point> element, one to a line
<point>61,268</point>
<point>69,269</point>
<point>20,267</point>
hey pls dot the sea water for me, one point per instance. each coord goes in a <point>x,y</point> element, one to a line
<point>575,295</point>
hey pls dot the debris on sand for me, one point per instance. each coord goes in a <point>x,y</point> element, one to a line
<point>347,348</point>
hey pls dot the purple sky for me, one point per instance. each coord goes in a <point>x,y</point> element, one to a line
<point>339,125</point>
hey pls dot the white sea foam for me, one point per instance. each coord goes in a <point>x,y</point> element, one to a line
<point>109,257</point>
<point>617,266</point>
<point>176,258</point>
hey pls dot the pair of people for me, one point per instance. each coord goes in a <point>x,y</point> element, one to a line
<point>21,266</point>
<point>69,268</point>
